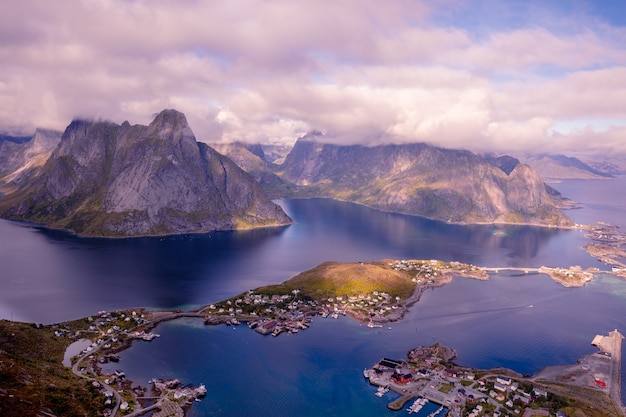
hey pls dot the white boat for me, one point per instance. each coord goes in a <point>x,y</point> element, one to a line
<point>381,391</point>
<point>434,413</point>
<point>417,405</point>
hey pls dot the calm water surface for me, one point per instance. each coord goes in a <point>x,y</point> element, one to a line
<point>51,276</point>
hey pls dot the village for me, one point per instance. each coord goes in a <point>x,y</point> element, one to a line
<point>607,247</point>
<point>285,310</point>
<point>429,375</point>
<point>109,333</point>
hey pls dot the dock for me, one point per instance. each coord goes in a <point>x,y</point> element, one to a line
<point>399,403</point>
<point>612,345</point>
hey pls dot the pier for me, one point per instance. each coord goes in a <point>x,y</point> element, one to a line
<point>399,403</point>
<point>612,344</point>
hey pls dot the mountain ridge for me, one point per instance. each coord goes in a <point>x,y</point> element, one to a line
<point>419,179</point>
<point>559,167</point>
<point>105,179</point>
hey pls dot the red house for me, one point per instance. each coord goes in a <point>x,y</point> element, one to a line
<point>402,379</point>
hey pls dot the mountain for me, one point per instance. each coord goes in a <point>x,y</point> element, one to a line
<point>505,162</point>
<point>252,159</point>
<point>611,165</point>
<point>21,157</point>
<point>559,167</point>
<point>419,179</point>
<point>105,179</point>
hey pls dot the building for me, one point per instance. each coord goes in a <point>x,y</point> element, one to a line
<point>401,378</point>
<point>499,387</point>
<point>503,380</point>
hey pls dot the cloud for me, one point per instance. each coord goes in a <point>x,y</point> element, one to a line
<point>449,72</point>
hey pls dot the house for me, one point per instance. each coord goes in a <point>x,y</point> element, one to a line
<point>499,387</point>
<point>540,393</point>
<point>266,327</point>
<point>503,380</point>
<point>401,378</point>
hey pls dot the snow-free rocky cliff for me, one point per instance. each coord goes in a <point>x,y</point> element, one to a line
<point>105,179</point>
<point>420,179</point>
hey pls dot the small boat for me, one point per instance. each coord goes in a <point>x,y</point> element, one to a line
<point>381,391</point>
<point>417,405</point>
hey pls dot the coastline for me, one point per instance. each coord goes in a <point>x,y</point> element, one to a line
<point>107,327</point>
<point>572,226</point>
<point>429,374</point>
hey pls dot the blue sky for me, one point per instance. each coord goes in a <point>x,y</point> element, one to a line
<point>484,75</point>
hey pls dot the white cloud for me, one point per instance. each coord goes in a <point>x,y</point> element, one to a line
<point>271,70</point>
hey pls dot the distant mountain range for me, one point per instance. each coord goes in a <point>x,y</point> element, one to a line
<point>558,167</point>
<point>105,179</point>
<point>417,179</point>
<point>21,157</point>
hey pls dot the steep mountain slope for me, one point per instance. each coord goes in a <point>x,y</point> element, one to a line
<point>420,179</point>
<point>105,179</point>
<point>21,159</point>
<point>251,158</point>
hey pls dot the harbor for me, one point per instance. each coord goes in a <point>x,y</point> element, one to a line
<point>429,376</point>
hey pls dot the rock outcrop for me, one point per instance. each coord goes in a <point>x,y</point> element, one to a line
<point>106,179</point>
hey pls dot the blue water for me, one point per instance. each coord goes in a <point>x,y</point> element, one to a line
<point>50,276</point>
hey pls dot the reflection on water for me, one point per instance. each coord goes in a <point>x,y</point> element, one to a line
<point>50,276</point>
<point>53,276</point>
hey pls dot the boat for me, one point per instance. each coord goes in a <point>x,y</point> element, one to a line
<point>417,405</point>
<point>381,391</point>
<point>365,374</point>
<point>201,391</point>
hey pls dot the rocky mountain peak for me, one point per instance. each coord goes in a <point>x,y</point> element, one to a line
<point>122,180</point>
<point>416,178</point>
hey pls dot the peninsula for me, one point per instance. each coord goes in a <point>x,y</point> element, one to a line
<point>370,292</point>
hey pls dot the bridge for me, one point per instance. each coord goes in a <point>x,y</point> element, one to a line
<point>511,268</point>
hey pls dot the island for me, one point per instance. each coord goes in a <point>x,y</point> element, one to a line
<point>40,381</point>
<point>608,246</point>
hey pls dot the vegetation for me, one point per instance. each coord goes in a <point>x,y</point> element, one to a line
<point>33,380</point>
<point>446,388</point>
<point>332,279</point>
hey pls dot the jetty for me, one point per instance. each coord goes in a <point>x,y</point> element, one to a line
<point>612,345</point>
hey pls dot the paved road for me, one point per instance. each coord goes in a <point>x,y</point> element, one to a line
<point>76,370</point>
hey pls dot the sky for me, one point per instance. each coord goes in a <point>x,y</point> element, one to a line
<point>502,76</point>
